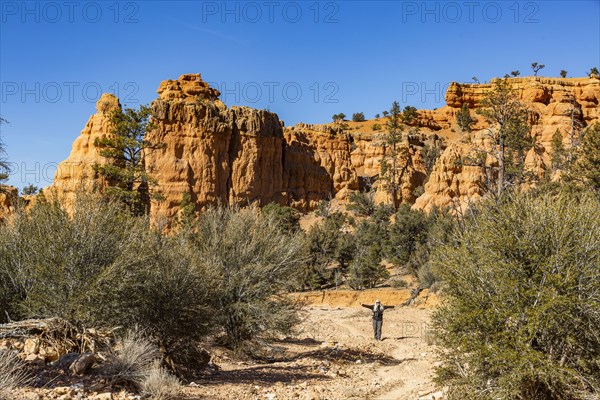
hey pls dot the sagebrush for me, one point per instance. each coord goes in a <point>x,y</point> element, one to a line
<point>523,310</point>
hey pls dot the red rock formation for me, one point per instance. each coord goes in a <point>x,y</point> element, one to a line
<point>241,155</point>
<point>553,103</point>
<point>317,165</point>
<point>76,172</point>
<point>238,155</point>
<point>8,198</point>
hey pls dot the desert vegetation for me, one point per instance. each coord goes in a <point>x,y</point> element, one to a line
<point>12,374</point>
<point>521,275</point>
<point>518,270</point>
<point>358,117</point>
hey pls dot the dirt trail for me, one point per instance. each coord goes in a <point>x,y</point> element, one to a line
<point>334,357</point>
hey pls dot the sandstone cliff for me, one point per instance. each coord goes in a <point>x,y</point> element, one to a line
<point>554,104</point>
<point>240,155</point>
<point>76,173</point>
<point>8,199</point>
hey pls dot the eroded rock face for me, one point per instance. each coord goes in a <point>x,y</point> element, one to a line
<point>8,199</point>
<point>452,184</point>
<point>317,165</point>
<point>240,155</point>
<point>76,173</point>
<point>554,104</point>
<point>368,155</point>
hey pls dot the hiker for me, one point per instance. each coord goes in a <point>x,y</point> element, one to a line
<point>377,309</point>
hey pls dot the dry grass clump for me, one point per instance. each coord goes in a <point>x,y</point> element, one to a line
<point>134,361</point>
<point>12,374</point>
<point>159,384</point>
<point>131,358</point>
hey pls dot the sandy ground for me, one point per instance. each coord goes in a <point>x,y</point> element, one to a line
<point>333,356</point>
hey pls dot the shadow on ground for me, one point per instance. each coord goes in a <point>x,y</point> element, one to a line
<point>264,374</point>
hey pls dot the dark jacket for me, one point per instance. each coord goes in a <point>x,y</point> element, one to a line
<point>377,314</point>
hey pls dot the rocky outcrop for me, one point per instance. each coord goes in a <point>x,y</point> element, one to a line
<point>368,155</point>
<point>77,173</point>
<point>215,154</point>
<point>238,156</point>
<point>554,104</point>
<point>317,165</point>
<point>8,198</point>
<point>218,155</point>
<point>241,155</point>
<point>452,184</point>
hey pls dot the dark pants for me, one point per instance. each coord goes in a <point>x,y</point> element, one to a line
<point>377,328</point>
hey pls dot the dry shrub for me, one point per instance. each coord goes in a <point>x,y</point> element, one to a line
<point>159,384</point>
<point>131,359</point>
<point>12,374</point>
<point>250,264</point>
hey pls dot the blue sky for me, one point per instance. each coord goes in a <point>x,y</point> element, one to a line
<point>304,60</point>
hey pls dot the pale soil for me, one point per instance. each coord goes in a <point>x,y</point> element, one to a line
<point>334,357</point>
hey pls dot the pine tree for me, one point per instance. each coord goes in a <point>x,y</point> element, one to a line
<point>521,315</point>
<point>536,67</point>
<point>358,117</point>
<point>587,165</point>
<point>4,165</point>
<point>397,157</point>
<point>409,115</point>
<point>558,151</point>
<point>124,150</point>
<point>508,133</point>
<point>464,119</point>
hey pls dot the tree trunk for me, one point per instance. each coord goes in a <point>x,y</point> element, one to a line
<point>500,187</point>
<point>394,188</point>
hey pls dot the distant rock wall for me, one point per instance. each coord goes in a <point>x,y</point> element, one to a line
<point>552,104</point>
<point>240,155</point>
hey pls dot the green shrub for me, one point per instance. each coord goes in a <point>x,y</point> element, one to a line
<point>398,283</point>
<point>331,248</point>
<point>29,190</point>
<point>160,285</point>
<point>54,258</point>
<point>250,262</point>
<point>358,117</point>
<point>409,115</point>
<point>409,231</point>
<point>587,165</point>
<point>522,313</point>
<point>366,270</point>
<point>94,264</point>
<point>464,119</point>
<point>362,203</point>
<point>323,208</point>
<point>287,218</point>
<point>426,276</point>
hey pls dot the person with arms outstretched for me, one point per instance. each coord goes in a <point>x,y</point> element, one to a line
<point>378,310</point>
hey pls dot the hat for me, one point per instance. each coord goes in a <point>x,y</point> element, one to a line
<point>377,301</point>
